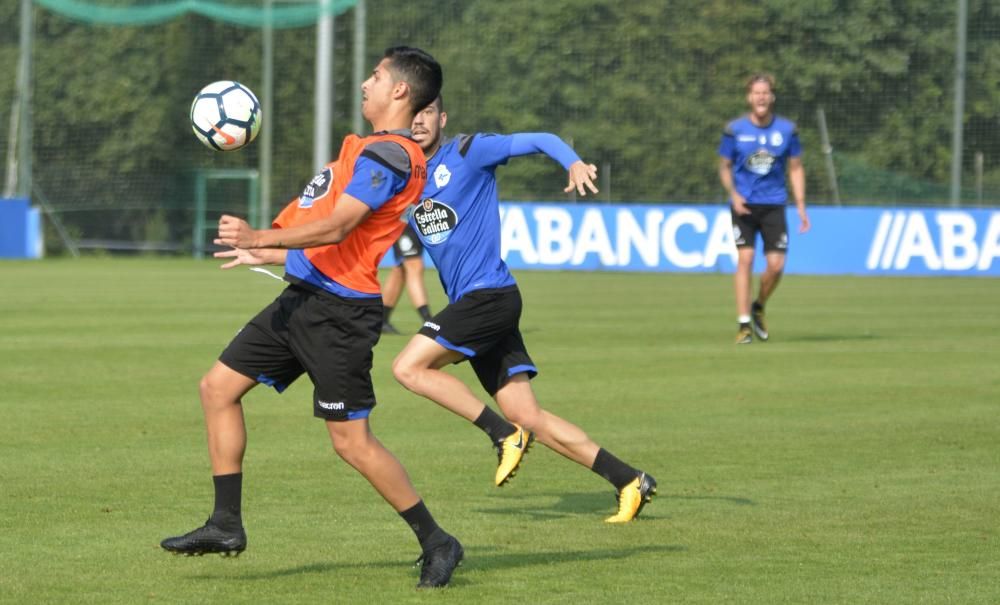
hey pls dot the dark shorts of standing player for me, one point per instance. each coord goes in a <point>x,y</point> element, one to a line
<point>484,325</point>
<point>766,219</point>
<point>308,331</point>
<point>408,245</point>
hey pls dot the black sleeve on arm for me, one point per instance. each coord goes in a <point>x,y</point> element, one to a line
<point>391,155</point>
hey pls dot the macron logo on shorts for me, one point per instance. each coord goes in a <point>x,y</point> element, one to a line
<point>330,405</point>
<point>432,325</point>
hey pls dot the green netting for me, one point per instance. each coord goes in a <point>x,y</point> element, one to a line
<point>247,13</point>
<point>641,91</point>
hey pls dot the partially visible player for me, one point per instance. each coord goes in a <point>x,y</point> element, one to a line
<point>755,151</point>
<point>328,319</point>
<point>408,271</point>
<point>459,224</point>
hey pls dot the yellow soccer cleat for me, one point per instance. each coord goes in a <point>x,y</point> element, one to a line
<point>744,336</point>
<point>510,452</point>
<point>633,497</point>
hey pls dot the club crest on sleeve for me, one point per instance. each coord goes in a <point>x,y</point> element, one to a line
<point>316,188</point>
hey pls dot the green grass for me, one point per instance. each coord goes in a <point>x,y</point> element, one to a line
<point>852,459</point>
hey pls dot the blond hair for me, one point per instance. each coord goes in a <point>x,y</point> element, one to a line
<point>760,77</point>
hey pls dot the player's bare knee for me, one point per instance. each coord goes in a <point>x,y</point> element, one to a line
<point>342,449</point>
<point>408,373</point>
<point>208,392</point>
<point>526,416</point>
<point>351,450</point>
<point>404,372</point>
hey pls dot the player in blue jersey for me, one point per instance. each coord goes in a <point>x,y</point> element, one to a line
<point>408,272</point>
<point>459,224</point>
<point>756,152</point>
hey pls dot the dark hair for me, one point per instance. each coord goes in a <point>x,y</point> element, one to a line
<point>418,69</point>
<point>438,102</point>
<point>760,77</point>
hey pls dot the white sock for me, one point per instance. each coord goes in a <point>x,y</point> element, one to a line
<point>744,319</point>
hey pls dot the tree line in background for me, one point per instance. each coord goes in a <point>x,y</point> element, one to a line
<point>641,88</point>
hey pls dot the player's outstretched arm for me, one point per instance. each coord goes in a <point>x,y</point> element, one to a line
<point>347,214</point>
<point>581,175</point>
<point>262,256</point>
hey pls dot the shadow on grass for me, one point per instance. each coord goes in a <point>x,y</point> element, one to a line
<point>487,557</point>
<point>592,503</point>
<point>729,499</point>
<point>476,558</point>
<point>830,337</point>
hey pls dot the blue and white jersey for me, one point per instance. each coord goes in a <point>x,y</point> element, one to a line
<point>760,155</point>
<point>458,219</point>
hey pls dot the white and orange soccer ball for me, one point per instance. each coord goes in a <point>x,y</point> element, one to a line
<point>225,115</point>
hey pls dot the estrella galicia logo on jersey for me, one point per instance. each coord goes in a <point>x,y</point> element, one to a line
<point>442,176</point>
<point>316,188</point>
<point>435,221</point>
<point>760,162</point>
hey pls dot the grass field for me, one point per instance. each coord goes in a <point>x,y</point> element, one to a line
<point>852,459</point>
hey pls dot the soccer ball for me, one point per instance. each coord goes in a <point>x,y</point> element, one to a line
<point>225,115</point>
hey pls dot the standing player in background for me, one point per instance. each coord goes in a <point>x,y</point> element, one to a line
<point>755,151</point>
<point>459,223</point>
<point>409,272</point>
<point>326,322</point>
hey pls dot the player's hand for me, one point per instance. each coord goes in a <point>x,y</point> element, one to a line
<point>240,257</point>
<point>581,178</point>
<point>804,221</point>
<point>740,204</point>
<point>236,233</point>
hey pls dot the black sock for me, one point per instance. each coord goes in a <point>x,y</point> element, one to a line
<point>494,425</point>
<point>614,470</point>
<point>757,306</point>
<point>386,312</point>
<point>425,312</point>
<point>423,525</point>
<point>228,500</point>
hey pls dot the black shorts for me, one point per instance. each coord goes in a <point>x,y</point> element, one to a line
<point>328,337</point>
<point>407,246</point>
<point>484,325</point>
<point>766,219</point>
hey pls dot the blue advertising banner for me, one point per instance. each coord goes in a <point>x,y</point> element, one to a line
<point>699,238</point>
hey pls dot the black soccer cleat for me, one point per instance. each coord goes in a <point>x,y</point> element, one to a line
<point>439,563</point>
<point>758,322</point>
<point>388,328</point>
<point>208,539</point>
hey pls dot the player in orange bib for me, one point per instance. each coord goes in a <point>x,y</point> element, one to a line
<point>326,322</point>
